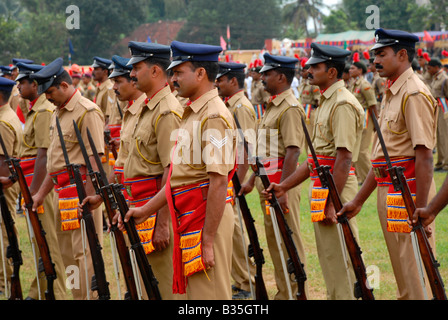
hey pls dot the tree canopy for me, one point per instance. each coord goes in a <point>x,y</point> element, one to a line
<point>36,29</point>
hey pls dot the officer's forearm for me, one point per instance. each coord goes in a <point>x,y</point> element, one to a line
<point>423,174</point>
<point>290,162</point>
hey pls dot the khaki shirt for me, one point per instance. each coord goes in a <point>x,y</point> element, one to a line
<point>364,92</point>
<point>379,85</point>
<point>183,101</point>
<point>280,126</point>
<point>439,85</point>
<point>114,115</point>
<point>130,117</point>
<point>87,115</point>
<point>104,97</point>
<point>309,94</point>
<point>152,140</point>
<point>240,106</point>
<point>408,117</point>
<point>338,122</point>
<point>36,133</point>
<point>11,130</point>
<point>258,94</point>
<point>206,141</point>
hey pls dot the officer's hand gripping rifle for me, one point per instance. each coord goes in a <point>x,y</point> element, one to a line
<point>99,282</point>
<point>362,289</point>
<point>295,266</point>
<point>102,187</point>
<point>45,261</point>
<point>148,277</point>
<point>400,184</point>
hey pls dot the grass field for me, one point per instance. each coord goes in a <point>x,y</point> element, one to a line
<point>371,242</point>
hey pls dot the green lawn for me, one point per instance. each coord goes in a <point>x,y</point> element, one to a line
<point>371,243</point>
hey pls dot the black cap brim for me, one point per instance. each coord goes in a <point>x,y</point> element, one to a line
<point>175,63</point>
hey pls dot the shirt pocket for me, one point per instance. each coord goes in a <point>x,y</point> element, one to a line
<point>393,122</point>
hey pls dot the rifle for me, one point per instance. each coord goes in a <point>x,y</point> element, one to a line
<point>295,266</point>
<point>13,250</point>
<point>362,288</point>
<point>400,184</point>
<point>148,277</point>
<point>99,282</point>
<point>45,261</point>
<point>100,183</point>
<point>254,249</point>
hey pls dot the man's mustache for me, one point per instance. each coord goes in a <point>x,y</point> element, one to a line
<point>310,76</point>
<point>134,79</point>
<point>175,84</point>
<point>117,92</point>
<point>378,66</point>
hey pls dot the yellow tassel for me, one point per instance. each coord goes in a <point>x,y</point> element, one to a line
<point>316,217</point>
<point>190,239</point>
<point>70,225</point>
<point>193,266</point>
<point>149,247</point>
<point>68,203</point>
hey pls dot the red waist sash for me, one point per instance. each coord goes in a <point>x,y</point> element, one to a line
<point>68,199</point>
<point>140,190</point>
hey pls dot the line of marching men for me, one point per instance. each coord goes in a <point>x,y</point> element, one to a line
<point>170,114</point>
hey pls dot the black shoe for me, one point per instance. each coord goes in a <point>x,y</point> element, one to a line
<point>242,295</point>
<point>29,298</point>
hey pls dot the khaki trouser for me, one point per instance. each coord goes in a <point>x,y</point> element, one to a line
<point>72,251</point>
<point>11,195</point>
<point>293,221</point>
<point>363,164</point>
<point>47,220</point>
<point>442,139</point>
<point>331,249</point>
<point>215,283</point>
<point>240,274</point>
<point>401,254</point>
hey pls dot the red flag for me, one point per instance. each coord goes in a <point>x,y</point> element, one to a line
<point>228,32</point>
<point>223,43</point>
<point>427,36</point>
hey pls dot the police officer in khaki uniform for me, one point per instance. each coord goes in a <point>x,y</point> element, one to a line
<point>336,139</point>
<point>147,165</point>
<point>408,121</point>
<point>364,92</point>
<point>11,132</point>
<point>126,91</point>
<point>86,86</point>
<point>196,190</point>
<point>71,106</point>
<point>259,96</point>
<point>33,155</point>
<point>310,96</point>
<point>230,84</point>
<point>280,139</point>
<point>439,90</point>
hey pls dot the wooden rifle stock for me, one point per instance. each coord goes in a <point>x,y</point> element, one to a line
<point>254,247</point>
<point>148,277</point>
<point>362,289</point>
<point>13,250</point>
<point>400,184</point>
<point>102,187</point>
<point>39,233</point>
